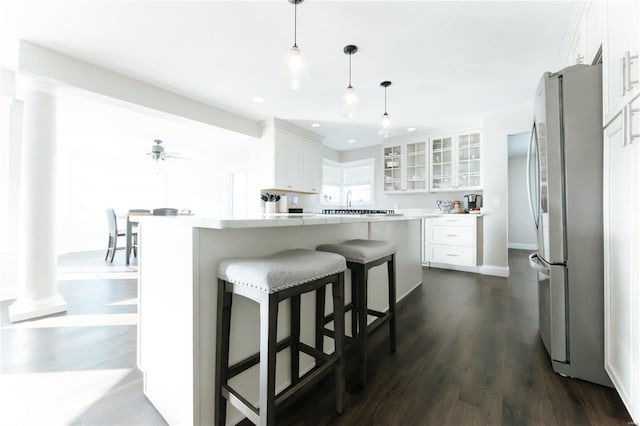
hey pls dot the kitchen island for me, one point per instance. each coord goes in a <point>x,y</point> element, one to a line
<point>177,298</point>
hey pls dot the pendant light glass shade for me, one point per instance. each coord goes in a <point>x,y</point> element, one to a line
<point>350,103</point>
<point>384,127</point>
<point>294,66</point>
<point>350,99</point>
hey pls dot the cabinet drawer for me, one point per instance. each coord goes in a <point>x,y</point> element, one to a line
<point>453,235</point>
<point>454,220</point>
<point>454,255</point>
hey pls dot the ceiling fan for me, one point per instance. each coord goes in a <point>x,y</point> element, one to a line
<point>158,153</point>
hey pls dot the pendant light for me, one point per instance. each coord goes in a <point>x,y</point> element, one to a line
<point>384,128</point>
<point>294,66</point>
<point>350,99</point>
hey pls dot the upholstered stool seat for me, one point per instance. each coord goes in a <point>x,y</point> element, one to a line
<point>361,251</point>
<point>362,255</point>
<point>268,281</point>
<point>281,270</point>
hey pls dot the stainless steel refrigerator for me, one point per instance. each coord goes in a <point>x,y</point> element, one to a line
<point>565,193</point>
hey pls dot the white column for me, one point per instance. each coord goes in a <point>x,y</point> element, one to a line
<point>37,287</point>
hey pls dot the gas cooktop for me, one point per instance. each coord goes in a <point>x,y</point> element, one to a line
<point>361,212</point>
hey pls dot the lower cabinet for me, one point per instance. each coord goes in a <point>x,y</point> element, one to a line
<point>453,242</point>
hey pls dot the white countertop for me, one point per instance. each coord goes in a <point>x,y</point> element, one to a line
<point>275,220</point>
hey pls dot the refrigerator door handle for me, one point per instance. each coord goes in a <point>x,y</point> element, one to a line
<point>535,263</point>
<point>531,207</point>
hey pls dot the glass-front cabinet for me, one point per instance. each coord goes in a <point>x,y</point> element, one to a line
<point>469,160</point>
<point>455,162</point>
<point>405,167</point>
<point>416,166</point>
<point>441,163</point>
<point>392,159</point>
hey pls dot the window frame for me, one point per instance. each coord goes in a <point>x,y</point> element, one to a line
<point>343,167</point>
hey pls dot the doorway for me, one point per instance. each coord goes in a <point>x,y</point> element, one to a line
<point>521,231</point>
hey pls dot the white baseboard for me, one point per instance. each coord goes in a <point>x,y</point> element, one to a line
<point>473,269</point>
<point>522,246</point>
<point>409,291</point>
<point>497,271</point>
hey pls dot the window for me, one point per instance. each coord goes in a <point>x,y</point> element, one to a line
<point>354,177</point>
<point>331,182</point>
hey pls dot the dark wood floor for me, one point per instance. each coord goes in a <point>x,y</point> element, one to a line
<point>468,353</point>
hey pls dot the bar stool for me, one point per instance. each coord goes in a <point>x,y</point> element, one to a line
<point>268,281</point>
<point>361,256</point>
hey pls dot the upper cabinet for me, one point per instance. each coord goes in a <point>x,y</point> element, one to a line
<point>585,33</point>
<point>455,162</point>
<point>290,158</point>
<point>621,62</point>
<point>405,167</point>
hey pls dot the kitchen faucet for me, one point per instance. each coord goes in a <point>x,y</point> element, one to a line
<point>349,194</point>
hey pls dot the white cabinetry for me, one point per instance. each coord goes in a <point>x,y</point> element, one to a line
<point>621,62</point>
<point>455,162</point>
<point>405,167</point>
<point>312,167</point>
<point>621,110</point>
<point>291,158</point>
<point>622,261</point>
<point>452,241</point>
<point>585,33</point>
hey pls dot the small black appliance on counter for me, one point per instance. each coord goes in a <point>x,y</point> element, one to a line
<point>472,201</point>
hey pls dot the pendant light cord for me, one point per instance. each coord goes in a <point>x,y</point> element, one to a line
<point>385,100</point>
<point>350,70</point>
<point>295,24</point>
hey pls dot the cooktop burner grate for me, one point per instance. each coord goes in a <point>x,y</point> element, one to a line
<point>357,211</point>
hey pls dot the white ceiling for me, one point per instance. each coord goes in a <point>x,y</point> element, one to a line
<point>450,62</point>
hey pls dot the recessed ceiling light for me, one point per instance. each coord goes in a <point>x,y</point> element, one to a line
<point>411,129</point>
<point>257,99</point>
<point>315,125</point>
<point>351,141</point>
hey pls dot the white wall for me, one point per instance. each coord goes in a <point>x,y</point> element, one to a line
<point>496,130</point>
<point>522,232</point>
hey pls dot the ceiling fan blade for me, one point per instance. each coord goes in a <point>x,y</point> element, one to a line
<point>176,157</point>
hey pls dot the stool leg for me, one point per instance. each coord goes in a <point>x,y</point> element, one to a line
<point>223,332</point>
<point>338,325</point>
<point>354,305</point>
<point>391,270</point>
<point>361,282</point>
<point>320,302</point>
<point>268,343</point>
<point>295,334</point>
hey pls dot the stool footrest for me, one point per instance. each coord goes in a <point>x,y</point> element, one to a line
<point>378,323</point>
<point>311,351</point>
<point>245,407</point>
<point>306,381</point>
<point>378,314</point>
<point>329,318</point>
<point>249,362</point>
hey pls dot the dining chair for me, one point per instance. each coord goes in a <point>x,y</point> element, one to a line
<point>134,231</point>
<point>114,233</point>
